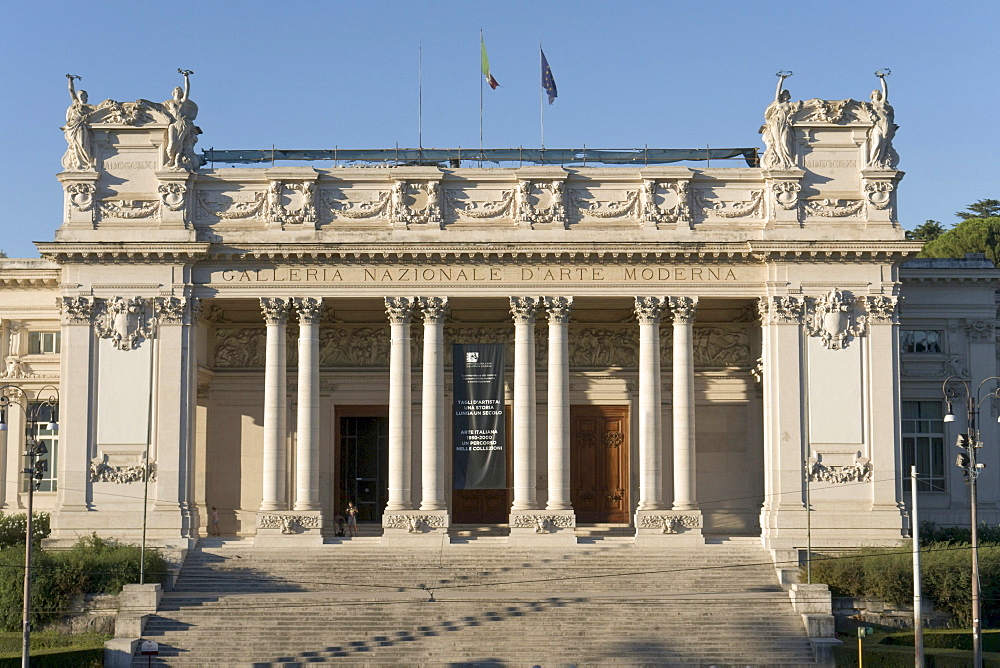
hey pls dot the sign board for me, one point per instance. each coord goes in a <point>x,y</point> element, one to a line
<point>149,648</point>
<point>479,435</point>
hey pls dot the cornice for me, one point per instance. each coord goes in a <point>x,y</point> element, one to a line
<point>742,251</point>
<point>137,252</point>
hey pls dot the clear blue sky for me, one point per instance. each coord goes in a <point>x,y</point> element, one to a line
<point>630,73</point>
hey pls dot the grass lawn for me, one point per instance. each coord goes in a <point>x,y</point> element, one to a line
<point>946,648</point>
<point>54,649</point>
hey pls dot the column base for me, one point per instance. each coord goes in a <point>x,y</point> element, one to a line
<point>542,528</point>
<point>286,528</point>
<point>656,528</point>
<point>416,528</point>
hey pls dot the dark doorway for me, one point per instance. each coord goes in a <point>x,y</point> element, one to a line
<point>363,436</point>
<point>599,464</point>
<point>486,506</point>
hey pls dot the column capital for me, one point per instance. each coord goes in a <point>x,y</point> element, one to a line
<point>781,310</point>
<point>76,310</point>
<point>399,309</point>
<point>559,309</point>
<point>434,309</point>
<point>684,309</point>
<point>882,309</point>
<point>524,309</point>
<point>275,310</point>
<point>649,309</point>
<point>310,309</point>
<point>172,310</point>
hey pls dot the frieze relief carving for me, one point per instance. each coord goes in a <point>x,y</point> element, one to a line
<point>288,523</point>
<point>710,208</point>
<point>879,194</point>
<point>669,523</point>
<point>460,206</point>
<point>134,114</point>
<point>414,523</point>
<point>834,318</point>
<point>588,205</point>
<point>859,471</point>
<point>125,322</point>
<point>921,368</point>
<point>228,208</point>
<point>548,207</point>
<point>786,194</point>
<point>404,193</point>
<point>172,195</point>
<point>342,207</point>
<point>102,471</point>
<point>677,191</point>
<point>279,213</point>
<point>542,523</point>
<point>129,209</point>
<point>835,208</point>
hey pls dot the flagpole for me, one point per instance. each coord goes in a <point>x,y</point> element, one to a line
<point>481,77</point>
<point>420,96</point>
<point>541,96</point>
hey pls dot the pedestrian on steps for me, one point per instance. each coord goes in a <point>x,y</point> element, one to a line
<point>352,519</point>
<point>215,522</point>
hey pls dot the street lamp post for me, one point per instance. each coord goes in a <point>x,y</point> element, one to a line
<point>34,470</point>
<point>957,389</point>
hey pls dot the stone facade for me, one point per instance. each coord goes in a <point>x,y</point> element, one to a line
<point>216,324</point>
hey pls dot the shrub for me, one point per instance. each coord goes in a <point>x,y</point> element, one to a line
<point>946,572</point>
<point>92,566</point>
<point>13,528</point>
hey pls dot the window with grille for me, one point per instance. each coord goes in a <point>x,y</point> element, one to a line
<point>923,445</point>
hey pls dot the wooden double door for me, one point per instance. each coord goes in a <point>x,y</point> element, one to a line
<point>599,458</point>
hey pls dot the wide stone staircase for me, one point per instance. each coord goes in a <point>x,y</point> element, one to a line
<point>478,603</point>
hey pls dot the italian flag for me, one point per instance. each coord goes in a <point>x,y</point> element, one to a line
<point>486,64</point>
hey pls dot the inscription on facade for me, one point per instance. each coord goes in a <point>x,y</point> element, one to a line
<point>479,275</point>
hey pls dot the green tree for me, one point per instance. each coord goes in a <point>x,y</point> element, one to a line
<point>929,231</point>
<point>973,235</point>
<point>984,208</point>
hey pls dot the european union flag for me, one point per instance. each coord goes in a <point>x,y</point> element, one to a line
<point>548,81</point>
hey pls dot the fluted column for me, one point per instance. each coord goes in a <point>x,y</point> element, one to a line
<point>683,309</point>
<point>524,310</point>
<point>648,311</point>
<point>559,310</point>
<point>275,311</point>
<point>307,428</point>
<point>432,444</point>
<point>400,312</point>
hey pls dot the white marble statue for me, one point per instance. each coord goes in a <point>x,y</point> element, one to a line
<point>881,154</point>
<point>777,129</point>
<point>182,133</point>
<point>79,154</point>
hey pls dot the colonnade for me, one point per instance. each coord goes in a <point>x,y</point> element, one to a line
<point>649,311</point>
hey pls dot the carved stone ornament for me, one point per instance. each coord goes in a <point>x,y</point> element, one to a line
<point>780,310</point>
<point>288,523</point>
<point>101,471</point>
<point>786,194</point>
<point>480,210</point>
<point>170,310</point>
<point>882,309</point>
<point>559,309</point>
<point>81,196</point>
<point>75,310</point>
<point>524,309</point>
<point>125,321</point>
<point>275,310</point>
<point>750,208</point>
<point>648,310</point>
<point>362,210</point>
<point>669,523</point>
<point>548,206</point>
<point>860,471</point>
<point>835,208</point>
<point>833,318</point>
<point>434,309</point>
<point>683,309</point>
<point>588,205</point>
<point>399,309</point>
<point>310,309</point>
<point>542,523</point>
<point>231,210</point>
<point>15,369</point>
<point>414,523</point>
<point>129,209</point>
<point>979,330</point>
<point>879,194</point>
<point>172,195</point>
<point>652,212</point>
<point>127,113</point>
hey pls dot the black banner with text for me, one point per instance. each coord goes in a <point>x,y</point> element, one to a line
<point>478,426</point>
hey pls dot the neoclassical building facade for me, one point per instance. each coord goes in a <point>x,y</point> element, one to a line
<point>688,351</point>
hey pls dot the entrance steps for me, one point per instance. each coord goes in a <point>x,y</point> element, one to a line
<point>481,603</point>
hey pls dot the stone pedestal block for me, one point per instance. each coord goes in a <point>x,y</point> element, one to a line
<point>543,528</point>
<point>280,529</point>
<point>656,528</point>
